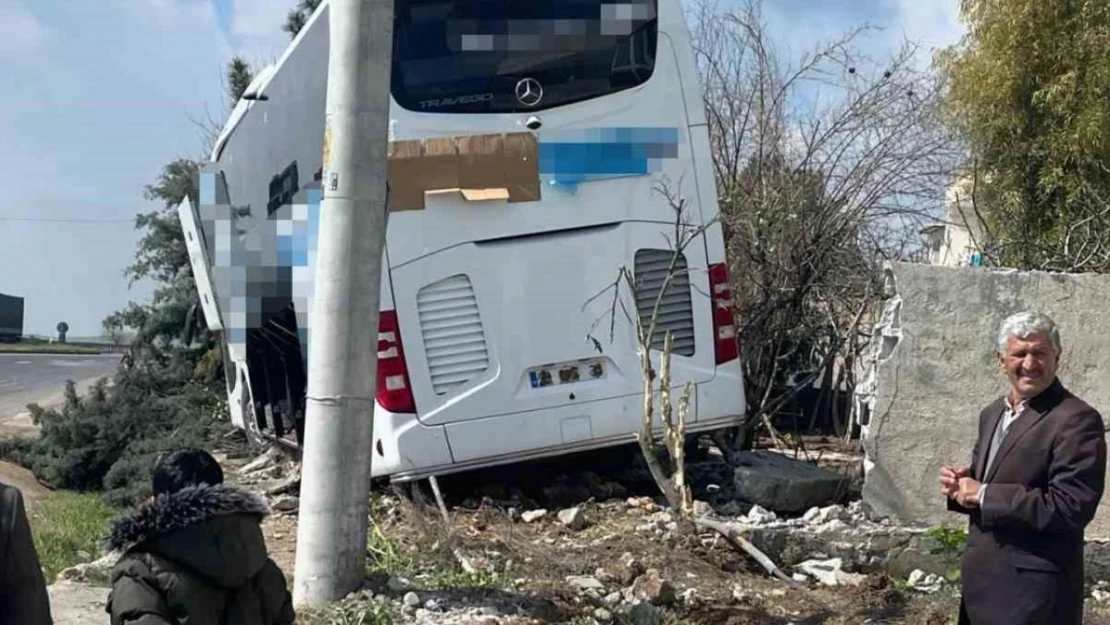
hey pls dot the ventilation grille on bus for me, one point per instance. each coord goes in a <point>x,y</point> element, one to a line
<point>454,342</point>
<point>676,310</point>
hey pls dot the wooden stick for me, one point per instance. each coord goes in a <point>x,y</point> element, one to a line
<point>439,499</point>
<point>732,535</point>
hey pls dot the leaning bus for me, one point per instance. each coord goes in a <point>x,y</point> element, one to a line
<point>529,141</point>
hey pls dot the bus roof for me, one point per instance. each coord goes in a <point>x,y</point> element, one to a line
<point>259,83</point>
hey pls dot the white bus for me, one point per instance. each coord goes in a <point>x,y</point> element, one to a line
<point>539,133</point>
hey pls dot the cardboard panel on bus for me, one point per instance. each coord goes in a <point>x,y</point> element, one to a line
<point>473,165</point>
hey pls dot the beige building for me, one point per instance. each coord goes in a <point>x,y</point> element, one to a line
<point>956,241</point>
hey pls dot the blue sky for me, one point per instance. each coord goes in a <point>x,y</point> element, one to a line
<point>98,95</point>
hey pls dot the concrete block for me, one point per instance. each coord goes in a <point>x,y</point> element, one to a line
<point>783,484</point>
<point>933,369</point>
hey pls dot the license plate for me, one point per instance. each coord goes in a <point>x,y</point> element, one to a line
<point>569,373</point>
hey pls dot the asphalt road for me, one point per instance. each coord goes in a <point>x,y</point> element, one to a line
<point>41,378</point>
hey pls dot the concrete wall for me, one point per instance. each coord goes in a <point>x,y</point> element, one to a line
<point>933,369</point>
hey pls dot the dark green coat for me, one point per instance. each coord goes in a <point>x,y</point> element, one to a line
<point>23,597</point>
<point>197,557</point>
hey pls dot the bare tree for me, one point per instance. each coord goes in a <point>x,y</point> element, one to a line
<point>649,338</point>
<point>826,165</point>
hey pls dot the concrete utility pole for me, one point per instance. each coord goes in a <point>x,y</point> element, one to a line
<point>342,360</point>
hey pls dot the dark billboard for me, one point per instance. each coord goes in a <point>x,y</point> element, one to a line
<point>11,318</point>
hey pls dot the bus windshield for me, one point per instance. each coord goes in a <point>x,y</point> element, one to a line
<point>506,56</point>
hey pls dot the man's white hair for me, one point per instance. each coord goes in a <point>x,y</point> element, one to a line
<point>1025,324</point>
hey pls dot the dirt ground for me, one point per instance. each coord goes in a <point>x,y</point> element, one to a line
<point>523,569</point>
<point>487,560</point>
<point>17,476</point>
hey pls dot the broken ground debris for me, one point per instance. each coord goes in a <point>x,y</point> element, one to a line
<point>493,568</point>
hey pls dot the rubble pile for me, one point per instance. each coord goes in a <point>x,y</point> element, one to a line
<point>97,573</point>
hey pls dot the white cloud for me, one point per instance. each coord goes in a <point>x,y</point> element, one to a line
<point>20,31</point>
<point>173,13</point>
<point>934,24</point>
<point>253,18</point>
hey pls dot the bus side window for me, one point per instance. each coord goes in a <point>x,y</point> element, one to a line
<point>282,188</point>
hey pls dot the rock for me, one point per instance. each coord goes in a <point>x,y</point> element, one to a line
<point>532,516</point>
<point>759,516</point>
<point>651,587</point>
<point>782,484</point>
<point>433,605</point>
<point>398,584</point>
<point>689,597</point>
<point>603,615</point>
<point>583,582</point>
<point>731,509</point>
<point>573,518</point>
<point>286,504</point>
<point>411,600</point>
<point>1100,595</point>
<point>798,577</point>
<point>861,511</point>
<point>924,582</point>
<point>645,614</point>
<point>625,570</point>
<point>830,572</point>
<point>98,572</point>
<point>739,596</point>
<point>613,599</point>
<point>702,508</point>
<point>826,515</point>
<point>835,525</point>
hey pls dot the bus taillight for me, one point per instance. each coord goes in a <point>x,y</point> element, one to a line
<point>724,321</point>
<point>394,389</point>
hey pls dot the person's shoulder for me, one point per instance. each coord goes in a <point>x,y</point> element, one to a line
<point>10,497</point>
<point>134,563</point>
<point>7,490</point>
<point>1072,404</point>
<point>993,407</point>
<point>1076,415</point>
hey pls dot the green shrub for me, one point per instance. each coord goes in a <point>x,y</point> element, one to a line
<point>109,439</point>
<point>949,541</point>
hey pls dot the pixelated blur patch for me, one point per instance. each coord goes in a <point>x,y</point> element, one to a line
<point>574,156</point>
<point>259,264</point>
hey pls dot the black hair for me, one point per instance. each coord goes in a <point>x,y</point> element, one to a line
<point>186,467</point>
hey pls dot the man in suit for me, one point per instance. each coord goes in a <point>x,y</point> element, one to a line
<point>23,596</point>
<point>1035,481</point>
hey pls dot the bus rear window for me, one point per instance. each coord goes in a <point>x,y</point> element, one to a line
<point>505,56</point>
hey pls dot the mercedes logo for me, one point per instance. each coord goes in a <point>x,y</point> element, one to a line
<point>529,91</point>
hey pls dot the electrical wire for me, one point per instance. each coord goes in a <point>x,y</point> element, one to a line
<point>68,220</point>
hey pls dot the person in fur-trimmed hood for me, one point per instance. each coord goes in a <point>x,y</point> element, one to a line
<point>195,553</point>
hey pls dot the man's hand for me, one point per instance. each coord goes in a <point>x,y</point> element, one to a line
<point>950,477</point>
<point>967,494</point>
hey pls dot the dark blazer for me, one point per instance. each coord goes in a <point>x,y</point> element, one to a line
<point>1023,564</point>
<point>23,597</point>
